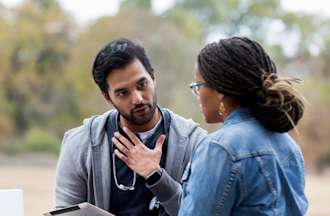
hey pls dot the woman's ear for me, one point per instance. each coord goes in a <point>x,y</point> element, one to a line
<point>221,96</point>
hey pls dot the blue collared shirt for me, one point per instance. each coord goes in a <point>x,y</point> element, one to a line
<point>245,169</point>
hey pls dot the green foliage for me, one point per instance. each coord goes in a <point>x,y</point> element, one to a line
<point>320,87</point>
<point>232,17</point>
<point>6,117</point>
<point>39,140</point>
<point>191,26</point>
<point>38,52</point>
<point>144,4</point>
<point>327,159</point>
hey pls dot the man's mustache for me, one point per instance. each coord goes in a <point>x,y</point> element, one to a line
<point>138,106</point>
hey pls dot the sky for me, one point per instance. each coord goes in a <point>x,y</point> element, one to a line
<point>86,10</point>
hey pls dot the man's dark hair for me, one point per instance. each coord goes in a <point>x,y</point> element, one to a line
<point>239,67</point>
<point>116,55</point>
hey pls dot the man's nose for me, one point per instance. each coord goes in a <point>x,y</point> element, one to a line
<point>137,97</point>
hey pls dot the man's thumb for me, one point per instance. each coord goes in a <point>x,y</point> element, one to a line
<point>160,142</point>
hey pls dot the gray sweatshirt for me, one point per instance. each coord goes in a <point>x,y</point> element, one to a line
<point>84,166</point>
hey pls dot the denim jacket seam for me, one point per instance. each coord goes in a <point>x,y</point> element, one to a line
<point>252,155</point>
<point>270,185</point>
<point>238,157</point>
<point>234,172</point>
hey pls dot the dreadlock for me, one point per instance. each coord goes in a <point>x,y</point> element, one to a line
<point>240,68</point>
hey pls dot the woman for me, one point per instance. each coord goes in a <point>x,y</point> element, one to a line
<point>250,166</point>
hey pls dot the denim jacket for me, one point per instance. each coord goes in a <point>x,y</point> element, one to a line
<point>245,169</point>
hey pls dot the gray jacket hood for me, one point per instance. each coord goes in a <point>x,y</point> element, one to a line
<point>183,127</point>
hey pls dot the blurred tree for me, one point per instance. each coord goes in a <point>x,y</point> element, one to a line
<point>324,40</point>
<point>257,19</point>
<point>45,4</point>
<point>39,40</point>
<point>211,20</point>
<point>230,17</point>
<point>144,4</point>
<point>7,125</point>
<point>312,37</point>
<point>192,27</point>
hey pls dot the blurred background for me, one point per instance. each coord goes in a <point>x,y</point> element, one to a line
<point>46,87</point>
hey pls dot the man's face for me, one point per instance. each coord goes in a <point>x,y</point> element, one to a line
<point>132,93</point>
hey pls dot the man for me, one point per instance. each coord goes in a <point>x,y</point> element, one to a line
<point>99,165</point>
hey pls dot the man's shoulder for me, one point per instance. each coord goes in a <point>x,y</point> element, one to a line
<point>90,129</point>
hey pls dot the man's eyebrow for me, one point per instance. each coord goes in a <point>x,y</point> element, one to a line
<point>141,80</point>
<point>120,90</point>
<point>125,89</point>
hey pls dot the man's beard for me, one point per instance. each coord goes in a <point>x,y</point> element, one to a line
<point>133,116</point>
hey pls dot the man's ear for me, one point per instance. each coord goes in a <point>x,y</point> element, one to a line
<point>152,75</point>
<point>107,97</point>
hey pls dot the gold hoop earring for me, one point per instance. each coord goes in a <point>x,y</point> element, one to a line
<point>222,109</point>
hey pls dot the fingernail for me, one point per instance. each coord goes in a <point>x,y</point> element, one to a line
<point>116,134</point>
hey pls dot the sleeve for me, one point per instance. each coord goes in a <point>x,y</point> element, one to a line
<point>207,189</point>
<point>70,186</point>
<point>169,191</point>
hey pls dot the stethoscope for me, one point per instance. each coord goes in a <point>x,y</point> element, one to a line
<point>121,186</point>
<point>154,203</point>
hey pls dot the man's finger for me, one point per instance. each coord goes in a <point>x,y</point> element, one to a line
<point>124,141</point>
<point>132,136</point>
<point>122,148</point>
<point>160,142</point>
<point>121,156</point>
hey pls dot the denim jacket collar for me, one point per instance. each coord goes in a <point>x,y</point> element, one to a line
<point>238,115</point>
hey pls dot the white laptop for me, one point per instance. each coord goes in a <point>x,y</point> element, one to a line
<point>11,202</point>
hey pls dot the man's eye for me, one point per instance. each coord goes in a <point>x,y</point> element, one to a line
<point>122,93</point>
<point>142,84</point>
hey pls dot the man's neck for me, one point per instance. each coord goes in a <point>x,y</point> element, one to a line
<point>141,128</point>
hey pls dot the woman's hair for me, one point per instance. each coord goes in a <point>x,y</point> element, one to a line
<point>240,68</point>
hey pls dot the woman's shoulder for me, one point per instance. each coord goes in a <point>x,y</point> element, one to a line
<point>243,140</point>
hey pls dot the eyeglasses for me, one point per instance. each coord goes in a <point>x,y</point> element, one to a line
<point>195,86</point>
